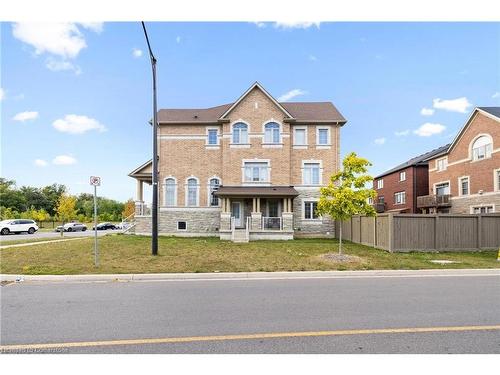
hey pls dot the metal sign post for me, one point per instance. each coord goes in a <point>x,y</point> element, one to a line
<point>95,181</point>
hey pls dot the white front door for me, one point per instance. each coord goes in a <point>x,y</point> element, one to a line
<point>236,213</point>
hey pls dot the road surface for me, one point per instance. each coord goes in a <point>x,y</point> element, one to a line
<point>427,314</point>
<point>55,235</point>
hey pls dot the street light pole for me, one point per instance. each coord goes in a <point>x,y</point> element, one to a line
<point>154,208</point>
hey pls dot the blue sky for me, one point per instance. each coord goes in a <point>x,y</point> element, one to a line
<point>76,98</point>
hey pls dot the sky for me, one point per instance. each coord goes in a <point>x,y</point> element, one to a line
<point>76,98</point>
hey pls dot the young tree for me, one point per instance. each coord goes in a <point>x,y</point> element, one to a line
<point>66,209</point>
<point>129,209</point>
<point>346,194</point>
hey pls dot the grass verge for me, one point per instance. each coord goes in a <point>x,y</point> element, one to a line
<point>132,254</point>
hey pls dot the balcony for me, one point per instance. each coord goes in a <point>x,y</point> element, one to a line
<point>434,201</point>
<point>379,207</point>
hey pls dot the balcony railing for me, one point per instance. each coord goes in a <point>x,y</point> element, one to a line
<point>272,223</point>
<point>379,207</point>
<point>434,200</point>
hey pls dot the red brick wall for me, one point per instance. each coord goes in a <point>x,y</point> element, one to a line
<point>392,185</point>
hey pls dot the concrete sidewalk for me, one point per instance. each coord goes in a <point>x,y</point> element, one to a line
<point>252,275</point>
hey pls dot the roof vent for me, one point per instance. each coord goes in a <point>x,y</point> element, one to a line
<point>195,116</point>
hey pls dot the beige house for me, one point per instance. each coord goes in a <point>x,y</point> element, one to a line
<point>243,171</point>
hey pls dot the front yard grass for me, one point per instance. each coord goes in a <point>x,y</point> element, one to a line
<point>132,254</point>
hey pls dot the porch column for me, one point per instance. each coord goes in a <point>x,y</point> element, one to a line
<point>254,205</point>
<point>139,191</point>
<point>258,204</point>
<point>256,216</point>
<point>287,215</point>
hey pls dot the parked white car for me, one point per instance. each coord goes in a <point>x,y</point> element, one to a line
<point>18,226</point>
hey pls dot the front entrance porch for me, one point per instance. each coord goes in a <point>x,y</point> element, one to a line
<point>254,213</point>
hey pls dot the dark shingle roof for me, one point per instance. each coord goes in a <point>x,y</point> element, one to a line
<point>305,111</point>
<point>495,111</point>
<point>418,160</point>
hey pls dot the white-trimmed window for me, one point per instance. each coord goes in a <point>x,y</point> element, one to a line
<point>400,197</point>
<point>323,136</point>
<point>442,188</point>
<point>402,176</point>
<point>310,208</point>
<point>380,183</point>
<point>272,133</point>
<point>170,191</point>
<point>442,164</point>
<point>240,133</point>
<point>311,174</point>
<point>192,190</point>
<point>212,136</point>
<point>482,209</point>
<point>496,176</point>
<point>256,171</point>
<point>482,147</point>
<point>463,185</point>
<point>214,184</point>
<point>300,136</point>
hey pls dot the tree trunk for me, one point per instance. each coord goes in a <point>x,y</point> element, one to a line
<point>340,238</point>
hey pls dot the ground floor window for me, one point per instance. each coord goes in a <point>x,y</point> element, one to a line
<point>482,210</point>
<point>310,210</point>
<point>181,225</point>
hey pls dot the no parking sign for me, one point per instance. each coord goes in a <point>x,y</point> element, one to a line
<point>95,181</point>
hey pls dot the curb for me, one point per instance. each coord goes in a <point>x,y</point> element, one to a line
<point>252,275</point>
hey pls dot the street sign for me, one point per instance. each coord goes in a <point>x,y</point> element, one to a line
<point>95,181</point>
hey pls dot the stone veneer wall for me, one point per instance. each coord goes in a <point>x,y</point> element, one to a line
<point>310,228</point>
<point>200,222</point>
<point>461,205</point>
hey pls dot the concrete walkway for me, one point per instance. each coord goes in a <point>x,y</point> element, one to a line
<point>253,275</point>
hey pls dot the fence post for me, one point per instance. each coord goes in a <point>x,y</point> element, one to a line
<point>390,245</point>
<point>436,235</point>
<point>479,231</point>
<point>375,231</point>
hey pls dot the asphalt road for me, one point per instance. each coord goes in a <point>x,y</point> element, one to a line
<point>209,312</point>
<point>55,235</point>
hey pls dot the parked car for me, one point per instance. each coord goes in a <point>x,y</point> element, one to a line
<point>18,226</point>
<point>105,226</point>
<point>71,227</point>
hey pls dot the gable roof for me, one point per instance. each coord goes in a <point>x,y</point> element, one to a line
<point>300,112</point>
<point>416,161</point>
<point>495,111</point>
<point>258,86</point>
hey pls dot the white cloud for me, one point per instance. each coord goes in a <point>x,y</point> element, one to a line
<point>428,129</point>
<point>379,141</point>
<point>60,65</point>
<point>75,124</point>
<point>260,25</point>
<point>295,25</point>
<point>402,133</point>
<point>178,39</point>
<point>64,160</point>
<point>40,163</point>
<point>136,52</point>
<point>496,95</point>
<point>2,94</point>
<point>312,58</point>
<point>93,26</point>
<point>25,116</point>
<point>427,111</point>
<point>453,105</point>
<point>291,94</point>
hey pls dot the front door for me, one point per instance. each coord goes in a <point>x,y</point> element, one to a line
<point>236,213</point>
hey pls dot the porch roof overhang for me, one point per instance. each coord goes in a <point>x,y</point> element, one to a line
<point>256,191</point>
<point>143,172</point>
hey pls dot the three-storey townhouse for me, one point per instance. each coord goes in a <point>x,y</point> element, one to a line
<point>251,169</point>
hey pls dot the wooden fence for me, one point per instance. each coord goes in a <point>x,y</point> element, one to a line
<point>408,232</point>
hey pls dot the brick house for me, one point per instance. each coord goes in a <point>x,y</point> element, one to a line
<point>465,178</point>
<point>246,170</point>
<point>398,188</point>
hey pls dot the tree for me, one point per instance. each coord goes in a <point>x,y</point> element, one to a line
<point>346,194</point>
<point>11,197</point>
<point>52,193</point>
<point>129,209</point>
<point>66,210</point>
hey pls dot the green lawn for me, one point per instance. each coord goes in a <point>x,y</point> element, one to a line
<point>132,254</point>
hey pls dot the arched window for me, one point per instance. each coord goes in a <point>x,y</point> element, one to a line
<point>214,185</point>
<point>192,192</point>
<point>272,133</point>
<point>170,191</point>
<point>481,148</point>
<point>240,133</point>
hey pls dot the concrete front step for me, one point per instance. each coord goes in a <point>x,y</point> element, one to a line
<point>240,236</point>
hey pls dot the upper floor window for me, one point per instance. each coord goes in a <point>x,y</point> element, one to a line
<point>464,185</point>
<point>214,185</point>
<point>299,137</point>
<point>443,188</point>
<point>256,172</point>
<point>442,164</point>
<point>402,176</point>
<point>481,148</point>
<point>323,137</point>
<point>170,191</point>
<point>192,192</point>
<point>400,197</point>
<point>240,133</point>
<point>212,137</point>
<point>496,174</point>
<point>272,133</point>
<point>380,184</point>
<point>311,174</point>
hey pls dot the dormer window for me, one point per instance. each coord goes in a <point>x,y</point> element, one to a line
<point>481,148</point>
<point>272,133</point>
<point>240,133</point>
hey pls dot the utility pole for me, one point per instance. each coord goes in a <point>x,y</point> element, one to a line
<point>95,181</point>
<point>154,203</point>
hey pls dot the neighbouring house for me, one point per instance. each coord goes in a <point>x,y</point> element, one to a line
<point>246,170</point>
<point>465,177</point>
<point>398,188</point>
